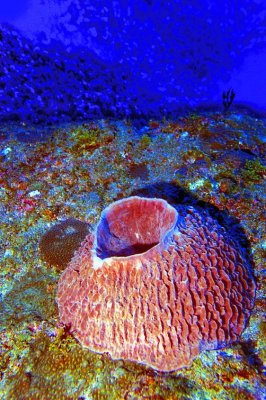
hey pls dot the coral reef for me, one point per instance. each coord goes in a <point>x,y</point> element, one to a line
<point>45,178</point>
<point>156,286</point>
<point>57,246</point>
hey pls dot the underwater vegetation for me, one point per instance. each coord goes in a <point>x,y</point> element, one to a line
<point>89,137</point>
<point>228,98</point>
<point>253,172</point>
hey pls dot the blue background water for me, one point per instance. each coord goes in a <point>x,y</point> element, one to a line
<point>79,58</point>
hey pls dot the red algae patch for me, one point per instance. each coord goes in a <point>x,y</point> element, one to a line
<point>156,286</point>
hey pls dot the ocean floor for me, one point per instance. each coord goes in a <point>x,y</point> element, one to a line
<point>74,170</point>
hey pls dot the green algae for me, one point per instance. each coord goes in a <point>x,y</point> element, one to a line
<point>253,172</point>
<point>145,142</point>
<point>85,137</point>
<point>88,137</point>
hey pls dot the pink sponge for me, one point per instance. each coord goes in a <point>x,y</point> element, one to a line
<point>156,287</point>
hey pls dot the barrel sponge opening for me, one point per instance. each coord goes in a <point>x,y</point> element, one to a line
<point>133,226</point>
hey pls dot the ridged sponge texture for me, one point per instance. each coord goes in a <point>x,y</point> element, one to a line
<point>189,290</point>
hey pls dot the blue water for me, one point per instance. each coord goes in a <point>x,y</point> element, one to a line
<point>73,59</point>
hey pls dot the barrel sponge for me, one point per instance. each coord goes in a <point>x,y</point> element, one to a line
<point>156,286</point>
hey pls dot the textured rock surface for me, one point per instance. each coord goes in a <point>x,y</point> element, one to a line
<point>190,291</point>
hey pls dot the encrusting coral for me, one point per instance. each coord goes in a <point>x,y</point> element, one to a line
<point>156,286</point>
<point>58,244</point>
